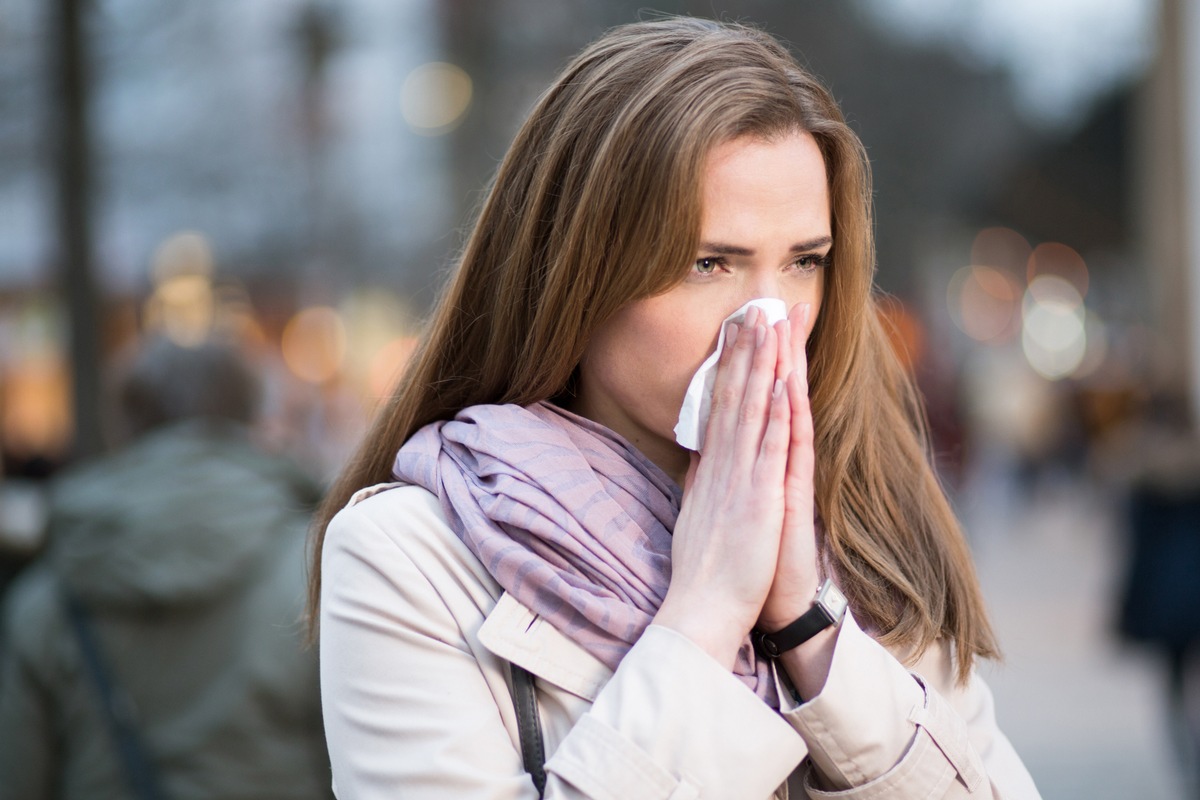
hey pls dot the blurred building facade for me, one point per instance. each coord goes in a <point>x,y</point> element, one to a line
<point>1168,194</point>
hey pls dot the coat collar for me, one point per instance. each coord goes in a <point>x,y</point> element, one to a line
<point>516,634</point>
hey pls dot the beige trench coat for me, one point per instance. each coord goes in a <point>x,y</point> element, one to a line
<point>416,637</point>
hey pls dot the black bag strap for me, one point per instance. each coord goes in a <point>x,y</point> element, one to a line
<point>118,709</point>
<point>533,749</point>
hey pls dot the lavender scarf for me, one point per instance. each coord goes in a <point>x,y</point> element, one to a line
<point>567,516</point>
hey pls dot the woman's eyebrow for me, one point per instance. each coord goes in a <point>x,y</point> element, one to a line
<point>721,249</point>
<point>812,244</point>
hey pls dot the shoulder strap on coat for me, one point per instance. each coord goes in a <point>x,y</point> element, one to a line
<point>117,707</point>
<point>533,749</point>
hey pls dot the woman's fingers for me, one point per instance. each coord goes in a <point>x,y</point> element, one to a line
<point>776,441</point>
<point>742,387</point>
<point>734,360</point>
<point>796,572</point>
<point>796,336</point>
<point>800,445</point>
<point>800,452</point>
<point>792,333</point>
<point>756,398</point>
<point>786,362</point>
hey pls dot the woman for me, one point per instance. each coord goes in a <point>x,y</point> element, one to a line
<point>519,503</point>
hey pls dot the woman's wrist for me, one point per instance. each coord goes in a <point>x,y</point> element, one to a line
<point>779,612</point>
<point>715,633</point>
<point>808,664</point>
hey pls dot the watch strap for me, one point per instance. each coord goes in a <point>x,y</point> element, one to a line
<point>822,615</point>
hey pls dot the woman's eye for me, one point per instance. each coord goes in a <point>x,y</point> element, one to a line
<point>706,266</point>
<point>812,262</point>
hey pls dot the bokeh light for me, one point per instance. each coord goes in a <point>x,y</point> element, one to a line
<point>1053,335</point>
<point>435,98</point>
<point>182,305</point>
<point>182,253</point>
<point>1059,336</point>
<point>376,319</point>
<point>1002,248</point>
<point>984,303</point>
<point>182,308</point>
<point>314,344</point>
<point>1053,290</point>
<point>1061,261</point>
<point>35,400</point>
<point>389,364</point>
<point>35,387</point>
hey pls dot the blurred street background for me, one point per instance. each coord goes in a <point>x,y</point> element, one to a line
<point>295,176</point>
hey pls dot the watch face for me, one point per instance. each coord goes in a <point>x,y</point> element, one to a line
<point>832,599</point>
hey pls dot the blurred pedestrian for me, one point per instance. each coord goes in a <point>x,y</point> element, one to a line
<point>1159,601</point>
<point>155,650</point>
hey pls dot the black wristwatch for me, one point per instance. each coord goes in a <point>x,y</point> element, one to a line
<point>828,609</point>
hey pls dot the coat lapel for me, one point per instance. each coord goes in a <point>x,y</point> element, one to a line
<point>516,634</point>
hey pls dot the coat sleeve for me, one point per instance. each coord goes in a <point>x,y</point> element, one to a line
<point>409,711</point>
<point>878,730</point>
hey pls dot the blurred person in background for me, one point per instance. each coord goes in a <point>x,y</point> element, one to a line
<point>526,586</point>
<point>1156,455</point>
<point>155,650</point>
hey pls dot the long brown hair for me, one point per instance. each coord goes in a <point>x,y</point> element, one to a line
<point>597,204</point>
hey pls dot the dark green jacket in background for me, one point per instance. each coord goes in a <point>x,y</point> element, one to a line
<point>188,549</point>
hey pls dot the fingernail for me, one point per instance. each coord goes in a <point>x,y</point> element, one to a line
<point>806,313</point>
<point>760,334</point>
<point>731,334</point>
<point>778,389</point>
<point>752,315</point>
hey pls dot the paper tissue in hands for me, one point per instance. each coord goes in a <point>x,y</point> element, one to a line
<point>693,416</point>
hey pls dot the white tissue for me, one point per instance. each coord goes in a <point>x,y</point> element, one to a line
<point>693,416</point>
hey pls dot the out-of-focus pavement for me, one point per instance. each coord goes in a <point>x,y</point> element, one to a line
<point>1086,712</point>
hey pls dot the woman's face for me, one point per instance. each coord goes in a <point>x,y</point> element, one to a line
<point>765,232</point>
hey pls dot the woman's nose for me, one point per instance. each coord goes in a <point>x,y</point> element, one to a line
<point>765,284</point>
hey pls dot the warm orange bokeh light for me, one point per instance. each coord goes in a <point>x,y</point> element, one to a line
<point>183,308</point>
<point>36,403</point>
<point>1059,260</point>
<point>389,364</point>
<point>314,344</point>
<point>984,303</point>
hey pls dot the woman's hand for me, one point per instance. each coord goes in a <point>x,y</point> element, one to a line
<point>797,575</point>
<point>727,539</point>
